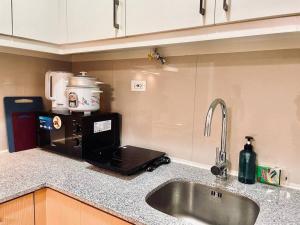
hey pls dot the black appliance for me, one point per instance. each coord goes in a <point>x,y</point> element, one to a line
<point>128,160</point>
<point>96,139</point>
<point>73,134</point>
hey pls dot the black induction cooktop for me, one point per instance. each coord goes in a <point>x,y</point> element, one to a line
<point>129,160</point>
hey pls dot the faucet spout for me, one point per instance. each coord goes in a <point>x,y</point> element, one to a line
<point>221,155</point>
<point>208,121</point>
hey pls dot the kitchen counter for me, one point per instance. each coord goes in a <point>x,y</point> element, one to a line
<point>27,171</point>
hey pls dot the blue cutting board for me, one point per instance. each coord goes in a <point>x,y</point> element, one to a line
<point>19,104</point>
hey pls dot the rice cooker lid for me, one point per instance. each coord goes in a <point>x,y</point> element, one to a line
<point>83,80</point>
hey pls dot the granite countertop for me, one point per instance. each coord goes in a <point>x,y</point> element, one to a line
<point>27,171</point>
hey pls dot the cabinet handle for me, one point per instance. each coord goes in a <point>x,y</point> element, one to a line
<point>202,9</point>
<point>225,5</point>
<point>116,4</point>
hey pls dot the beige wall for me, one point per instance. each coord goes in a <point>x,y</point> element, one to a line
<point>23,75</point>
<point>261,89</point>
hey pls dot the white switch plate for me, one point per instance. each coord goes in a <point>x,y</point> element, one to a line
<point>138,85</point>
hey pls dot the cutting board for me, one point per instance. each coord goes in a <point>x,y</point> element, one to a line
<point>24,130</point>
<point>19,104</point>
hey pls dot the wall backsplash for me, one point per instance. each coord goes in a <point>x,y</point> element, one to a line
<point>23,75</point>
<point>261,89</point>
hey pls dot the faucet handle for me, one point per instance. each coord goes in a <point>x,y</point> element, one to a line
<point>217,170</point>
<point>220,168</point>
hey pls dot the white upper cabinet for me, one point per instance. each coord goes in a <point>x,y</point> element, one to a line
<point>95,19</point>
<point>62,22</point>
<point>42,20</point>
<point>5,17</point>
<point>147,16</point>
<point>254,9</point>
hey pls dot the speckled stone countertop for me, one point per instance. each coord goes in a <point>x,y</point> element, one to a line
<point>27,171</point>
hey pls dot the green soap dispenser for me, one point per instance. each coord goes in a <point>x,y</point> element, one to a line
<point>247,164</point>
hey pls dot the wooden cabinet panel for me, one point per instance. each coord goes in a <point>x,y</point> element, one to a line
<point>40,207</point>
<point>147,16</point>
<point>54,208</point>
<point>93,20</point>
<point>5,17</point>
<point>42,20</point>
<point>93,216</point>
<point>19,211</point>
<point>254,9</point>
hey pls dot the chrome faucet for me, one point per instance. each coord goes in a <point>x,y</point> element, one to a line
<point>220,167</point>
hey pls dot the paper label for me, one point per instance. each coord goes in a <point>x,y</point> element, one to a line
<point>102,126</point>
<point>57,122</point>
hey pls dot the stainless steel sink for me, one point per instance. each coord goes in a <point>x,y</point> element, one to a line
<point>200,204</point>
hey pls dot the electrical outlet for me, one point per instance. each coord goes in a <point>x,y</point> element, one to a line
<point>138,85</point>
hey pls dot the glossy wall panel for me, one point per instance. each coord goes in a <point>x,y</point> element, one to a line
<point>23,76</point>
<point>262,94</point>
<point>162,117</point>
<point>261,90</point>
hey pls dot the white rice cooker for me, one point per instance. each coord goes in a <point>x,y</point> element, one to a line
<point>83,93</point>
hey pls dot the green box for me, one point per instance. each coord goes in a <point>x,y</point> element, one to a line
<point>268,175</point>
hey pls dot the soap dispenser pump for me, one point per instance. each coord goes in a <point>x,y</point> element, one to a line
<point>247,163</point>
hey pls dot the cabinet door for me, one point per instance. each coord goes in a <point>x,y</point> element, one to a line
<point>42,20</point>
<point>252,9</point>
<point>94,20</point>
<point>54,208</point>
<point>147,16</point>
<point>5,17</point>
<point>18,211</point>
<point>92,216</point>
